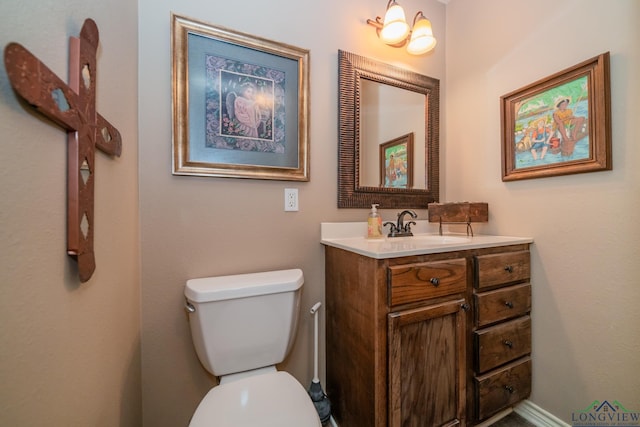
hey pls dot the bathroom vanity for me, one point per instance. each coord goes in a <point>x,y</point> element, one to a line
<point>426,330</point>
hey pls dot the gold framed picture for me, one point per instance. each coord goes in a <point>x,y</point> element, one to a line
<point>240,104</point>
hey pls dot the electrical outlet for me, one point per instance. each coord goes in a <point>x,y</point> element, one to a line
<point>290,199</point>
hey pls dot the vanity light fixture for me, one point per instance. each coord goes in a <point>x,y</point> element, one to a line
<point>394,30</point>
<point>422,39</point>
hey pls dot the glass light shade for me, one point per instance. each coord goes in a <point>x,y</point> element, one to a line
<point>422,39</point>
<point>395,28</point>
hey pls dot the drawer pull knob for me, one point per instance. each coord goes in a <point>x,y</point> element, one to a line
<point>508,304</point>
<point>508,269</point>
<point>508,343</point>
<point>434,281</point>
<point>509,388</point>
<point>465,306</point>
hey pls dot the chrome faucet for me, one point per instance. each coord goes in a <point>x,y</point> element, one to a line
<point>401,228</point>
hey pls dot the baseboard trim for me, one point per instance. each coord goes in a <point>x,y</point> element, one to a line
<point>538,416</point>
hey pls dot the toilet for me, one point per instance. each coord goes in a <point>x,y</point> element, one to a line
<point>242,326</point>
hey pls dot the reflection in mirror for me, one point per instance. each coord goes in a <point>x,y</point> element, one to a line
<point>388,135</point>
<point>396,162</point>
<point>387,113</point>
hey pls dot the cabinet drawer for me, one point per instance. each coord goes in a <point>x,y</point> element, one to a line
<point>416,282</point>
<point>497,269</point>
<point>503,387</point>
<point>502,304</point>
<point>502,343</point>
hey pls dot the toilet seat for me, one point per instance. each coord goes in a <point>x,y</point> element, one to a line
<point>274,399</point>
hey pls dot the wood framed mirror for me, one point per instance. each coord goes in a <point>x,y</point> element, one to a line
<point>379,103</point>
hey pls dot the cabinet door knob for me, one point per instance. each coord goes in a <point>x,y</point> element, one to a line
<point>465,306</point>
<point>509,388</point>
<point>508,269</point>
<point>508,304</point>
<point>434,281</point>
<point>508,343</point>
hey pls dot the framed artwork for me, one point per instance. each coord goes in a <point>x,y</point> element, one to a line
<point>240,104</point>
<point>559,125</point>
<point>396,162</point>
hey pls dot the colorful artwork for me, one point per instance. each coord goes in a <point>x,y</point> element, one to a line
<point>240,104</point>
<point>552,126</point>
<point>396,162</point>
<point>242,109</point>
<point>559,125</point>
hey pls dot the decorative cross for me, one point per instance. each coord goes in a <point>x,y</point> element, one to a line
<point>73,107</point>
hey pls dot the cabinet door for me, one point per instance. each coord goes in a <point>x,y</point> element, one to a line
<point>426,365</point>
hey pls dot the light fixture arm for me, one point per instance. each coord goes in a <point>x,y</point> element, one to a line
<point>377,23</point>
<point>415,19</point>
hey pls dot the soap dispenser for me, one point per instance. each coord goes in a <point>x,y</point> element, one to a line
<point>374,223</point>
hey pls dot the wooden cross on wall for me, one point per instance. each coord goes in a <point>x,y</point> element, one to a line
<point>73,107</point>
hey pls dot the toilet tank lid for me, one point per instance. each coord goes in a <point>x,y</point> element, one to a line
<point>220,288</point>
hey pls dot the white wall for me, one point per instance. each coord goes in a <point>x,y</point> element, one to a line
<point>193,227</point>
<point>586,322</point>
<point>69,352</point>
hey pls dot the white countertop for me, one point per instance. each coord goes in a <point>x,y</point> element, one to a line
<point>351,236</point>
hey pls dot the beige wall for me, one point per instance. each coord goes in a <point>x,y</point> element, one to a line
<point>194,227</point>
<point>586,337</point>
<point>69,352</point>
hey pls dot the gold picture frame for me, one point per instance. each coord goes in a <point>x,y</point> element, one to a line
<point>559,125</point>
<point>240,104</point>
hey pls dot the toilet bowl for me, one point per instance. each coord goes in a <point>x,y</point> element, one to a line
<point>242,326</point>
<point>276,399</point>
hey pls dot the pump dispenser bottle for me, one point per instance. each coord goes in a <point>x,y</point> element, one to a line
<point>374,223</point>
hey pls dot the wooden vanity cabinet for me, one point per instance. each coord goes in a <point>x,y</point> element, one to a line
<point>400,338</point>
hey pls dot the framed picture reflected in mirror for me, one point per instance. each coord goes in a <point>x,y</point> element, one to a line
<point>396,162</point>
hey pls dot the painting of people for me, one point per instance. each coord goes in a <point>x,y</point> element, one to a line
<point>396,162</point>
<point>553,126</point>
<point>560,124</point>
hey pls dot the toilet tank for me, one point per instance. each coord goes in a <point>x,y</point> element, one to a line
<point>245,321</point>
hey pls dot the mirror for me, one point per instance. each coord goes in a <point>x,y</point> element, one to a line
<point>388,135</point>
